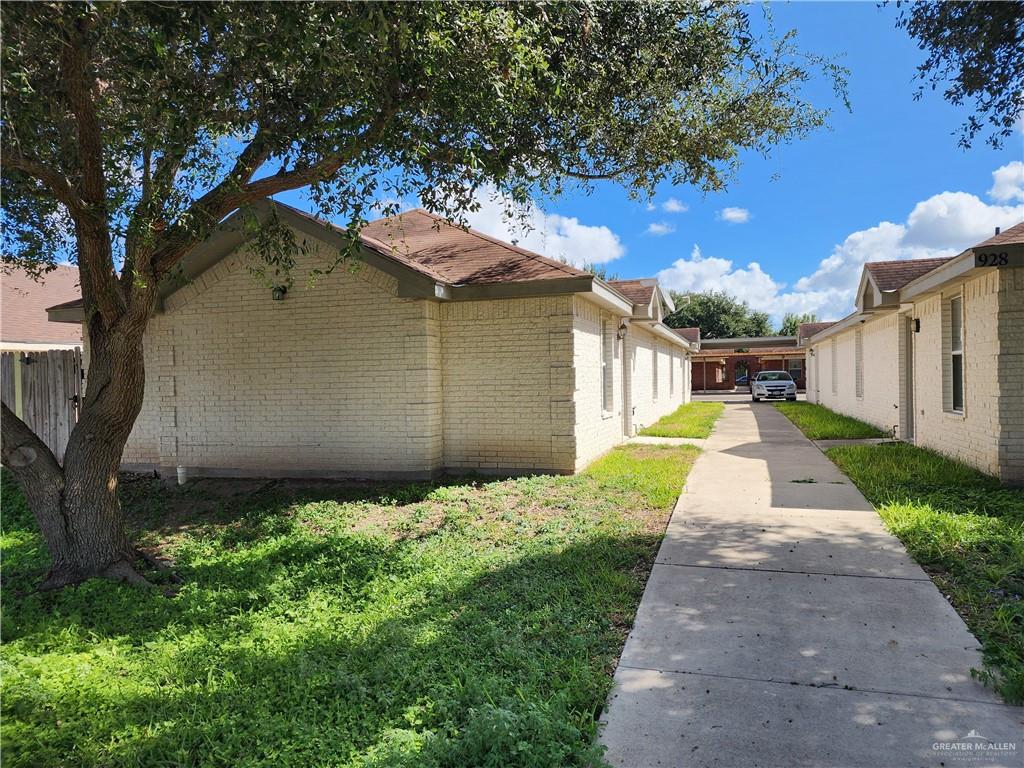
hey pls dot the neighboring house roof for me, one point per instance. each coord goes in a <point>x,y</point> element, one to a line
<point>690,334</point>
<point>755,351</point>
<point>1011,236</point>
<point>806,330</point>
<point>637,291</point>
<point>458,256</point>
<point>753,342</point>
<point>23,316</point>
<point>893,275</point>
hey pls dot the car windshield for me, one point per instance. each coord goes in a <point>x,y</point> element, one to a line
<point>774,376</point>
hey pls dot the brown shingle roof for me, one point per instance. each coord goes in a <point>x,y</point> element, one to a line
<point>637,291</point>
<point>690,334</point>
<point>448,254</point>
<point>453,255</point>
<point>893,275</point>
<point>806,330</point>
<point>1011,236</point>
<point>23,312</point>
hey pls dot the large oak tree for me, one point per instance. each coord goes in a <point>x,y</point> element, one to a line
<point>130,130</point>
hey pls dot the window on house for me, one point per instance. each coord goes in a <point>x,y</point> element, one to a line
<point>956,351</point>
<point>795,366</point>
<point>859,362</point>
<point>835,368</point>
<point>654,372</point>
<point>606,366</point>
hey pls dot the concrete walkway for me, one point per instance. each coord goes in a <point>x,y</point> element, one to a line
<point>783,626</point>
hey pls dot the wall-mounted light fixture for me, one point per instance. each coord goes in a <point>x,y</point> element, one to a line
<point>621,332</point>
<point>277,293</point>
<point>811,351</point>
<point>917,325</point>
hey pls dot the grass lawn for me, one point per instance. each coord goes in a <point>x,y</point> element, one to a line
<point>694,419</point>
<point>819,423</point>
<point>465,622</point>
<point>965,530</point>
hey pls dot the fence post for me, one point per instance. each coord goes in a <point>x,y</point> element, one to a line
<point>19,410</point>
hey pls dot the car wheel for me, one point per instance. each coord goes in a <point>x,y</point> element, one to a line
<point>791,399</point>
<point>755,399</point>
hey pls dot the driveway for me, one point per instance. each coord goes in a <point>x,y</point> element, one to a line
<point>782,625</point>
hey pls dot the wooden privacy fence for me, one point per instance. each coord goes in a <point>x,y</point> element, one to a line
<point>44,389</point>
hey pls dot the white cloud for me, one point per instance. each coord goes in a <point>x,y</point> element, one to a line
<point>1008,182</point>
<point>943,225</point>
<point>672,205</point>
<point>659,228</point>
<point>734,215</point>
<point>549,234</point>
<point>652,207</point>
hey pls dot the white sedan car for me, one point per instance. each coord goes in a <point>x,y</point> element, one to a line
<point>773,384</point>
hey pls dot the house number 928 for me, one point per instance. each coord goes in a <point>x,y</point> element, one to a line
<point>997,259</point>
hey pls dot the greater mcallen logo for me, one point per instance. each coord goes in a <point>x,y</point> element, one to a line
<point>974,744</point>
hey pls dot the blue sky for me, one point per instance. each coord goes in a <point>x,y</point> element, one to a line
<point>885,180</point>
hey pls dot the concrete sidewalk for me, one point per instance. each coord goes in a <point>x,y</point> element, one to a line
<point>783,626</point>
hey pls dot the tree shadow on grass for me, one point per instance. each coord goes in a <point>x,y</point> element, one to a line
<point>295,647</point>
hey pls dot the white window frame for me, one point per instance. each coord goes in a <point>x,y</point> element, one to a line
<point>835,367</point>
<point>607,369</point>
<point>671,372</point>
<point>654,371</point>
<point>956,352</point>
<point>858,363</point>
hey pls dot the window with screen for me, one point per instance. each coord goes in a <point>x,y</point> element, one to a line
<point>956,352</point>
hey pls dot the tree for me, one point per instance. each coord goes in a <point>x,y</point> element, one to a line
<point>718,315</point>
<point>791,322</point>
<point>976,50</point>
<point>131,129</point>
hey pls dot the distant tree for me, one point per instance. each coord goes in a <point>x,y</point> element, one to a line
<point>129,130</point>
<point>791,322</point>
<point>718,315</point>
<point>976,51</point>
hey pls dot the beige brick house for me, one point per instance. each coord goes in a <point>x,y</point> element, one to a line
<point>935,352</point>
<point>439,349</point>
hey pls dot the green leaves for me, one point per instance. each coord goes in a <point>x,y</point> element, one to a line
<point>431,98</point>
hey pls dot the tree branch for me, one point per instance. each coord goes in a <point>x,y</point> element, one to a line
<point>95,255</point>
<point>23,452</point>
<point>55,181</point>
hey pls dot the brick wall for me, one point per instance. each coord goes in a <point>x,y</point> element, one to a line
<point>971,436</point>
<point>1010,375</point>
<point>339,377</point>
<point>989,432</point>
<point>346,378</point>
<point>648,407</point>
<point>880,365</point>
<point>508,387</point>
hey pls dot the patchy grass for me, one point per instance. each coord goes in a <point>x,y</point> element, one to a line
<point>819,423</point>
<point>966,531</point>
<point>694,419</point>
<point>465,622</point>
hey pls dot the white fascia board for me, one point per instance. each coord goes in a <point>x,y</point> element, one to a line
<point>607,297</point>
<point>850,321</point>
<point>934,280</point>
<point>663,331</point>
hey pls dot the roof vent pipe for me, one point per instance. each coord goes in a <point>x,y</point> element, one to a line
<point>997,230</point>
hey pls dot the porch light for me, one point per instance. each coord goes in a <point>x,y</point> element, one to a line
<point>278,292</point>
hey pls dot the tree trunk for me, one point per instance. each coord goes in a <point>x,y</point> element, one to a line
<point>77,506</point>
